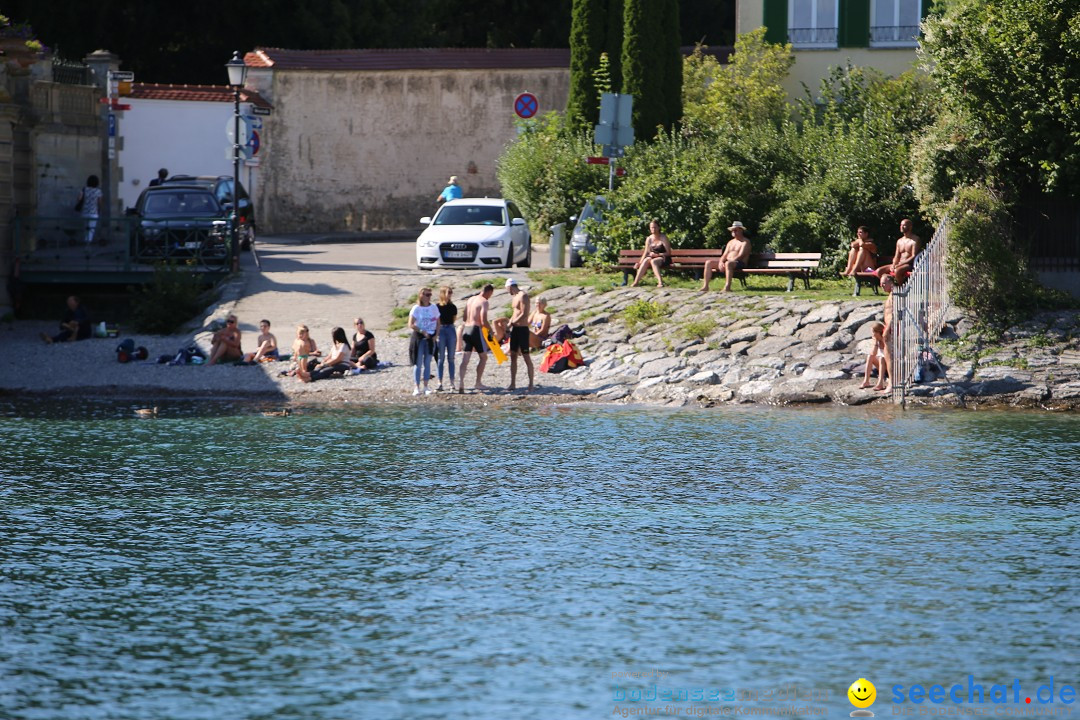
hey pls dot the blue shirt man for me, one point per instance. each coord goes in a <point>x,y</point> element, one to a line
<point>451,191</point>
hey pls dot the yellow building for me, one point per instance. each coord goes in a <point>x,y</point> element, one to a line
<point>882,34</point>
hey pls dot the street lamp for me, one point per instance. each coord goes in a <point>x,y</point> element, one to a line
<point>237,71</point>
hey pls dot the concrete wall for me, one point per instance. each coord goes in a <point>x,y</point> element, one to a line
<point>372,150</point>
<point>184,136</point>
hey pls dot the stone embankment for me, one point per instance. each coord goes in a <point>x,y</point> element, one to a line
<point>678,347</point>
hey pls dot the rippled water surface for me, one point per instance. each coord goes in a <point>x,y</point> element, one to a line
<point>398,563</point>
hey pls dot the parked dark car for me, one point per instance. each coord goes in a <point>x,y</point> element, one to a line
<point>222,187</point>
<point>180,222</point>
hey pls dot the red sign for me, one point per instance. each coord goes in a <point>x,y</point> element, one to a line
<point>596,160</point>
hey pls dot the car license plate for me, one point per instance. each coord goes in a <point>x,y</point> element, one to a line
<point>459,254</point>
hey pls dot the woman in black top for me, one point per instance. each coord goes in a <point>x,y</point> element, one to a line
<point>363,349</point>
<point>447,341</point>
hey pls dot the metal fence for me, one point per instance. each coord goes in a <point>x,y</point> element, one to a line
<point>920,307</point>
<point>71,72</point>
<point>76,244</point>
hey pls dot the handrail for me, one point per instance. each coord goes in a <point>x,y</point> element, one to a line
<point>920,307</point>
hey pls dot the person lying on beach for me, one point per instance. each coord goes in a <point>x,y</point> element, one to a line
<point>863,254</point>
<point>876,357</point>
<point>267,345</point>
<point>336,362</point>
<point>226,343</point>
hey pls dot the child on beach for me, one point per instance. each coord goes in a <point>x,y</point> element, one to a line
<point>876,358</point>
<point>267,345</point>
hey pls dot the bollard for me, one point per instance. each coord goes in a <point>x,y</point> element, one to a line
<point>558,244</point>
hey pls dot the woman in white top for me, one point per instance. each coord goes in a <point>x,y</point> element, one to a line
<point>424,323</point>
<point>89,204</point>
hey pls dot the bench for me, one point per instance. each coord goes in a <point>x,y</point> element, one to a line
<point>794,265</point>
<point>868,278</point>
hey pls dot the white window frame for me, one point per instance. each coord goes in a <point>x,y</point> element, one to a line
<point>815,14</point>
<point>895,22</point>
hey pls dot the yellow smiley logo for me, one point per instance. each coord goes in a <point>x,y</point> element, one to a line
<point>862,693</point>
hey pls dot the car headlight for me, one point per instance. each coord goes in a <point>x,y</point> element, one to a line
<point>493,243</point>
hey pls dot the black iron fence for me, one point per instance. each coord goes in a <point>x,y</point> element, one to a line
<point>121,244</point>
<point>71,72</point>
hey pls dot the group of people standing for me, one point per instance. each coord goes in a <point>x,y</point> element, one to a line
<point>435,332</point>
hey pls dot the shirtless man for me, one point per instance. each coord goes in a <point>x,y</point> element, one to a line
<point>472,338</point>
<point>226,343</point>
<point>908,245</point>
<point>736,254</point>
<point>519,333</point>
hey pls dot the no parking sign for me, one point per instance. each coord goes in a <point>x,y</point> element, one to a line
<point>526,105</point>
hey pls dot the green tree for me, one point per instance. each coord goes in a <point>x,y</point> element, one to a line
<point>646,45</point>
<point>588,27</point>
<point>1009,70</point>
<point>746,92</point>
<point>672,58</point>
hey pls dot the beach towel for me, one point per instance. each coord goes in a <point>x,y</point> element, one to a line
<point>561,356</point>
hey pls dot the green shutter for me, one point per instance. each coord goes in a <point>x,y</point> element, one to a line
<point>775,20</point>
<point>854,23</point>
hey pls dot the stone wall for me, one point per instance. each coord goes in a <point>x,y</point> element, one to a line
<point>372,150</point>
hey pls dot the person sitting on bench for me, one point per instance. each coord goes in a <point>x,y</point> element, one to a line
<point>736,255</point>
<point>655,256</point>
<point>863,254</point>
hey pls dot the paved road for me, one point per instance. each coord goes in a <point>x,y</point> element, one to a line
<point>325,284</point>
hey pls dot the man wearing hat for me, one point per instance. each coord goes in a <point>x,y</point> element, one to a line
<point>451,192</point>
<point>736,255</point>
<point>519,332</point>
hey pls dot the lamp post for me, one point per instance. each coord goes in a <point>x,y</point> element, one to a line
<point>237,71</point>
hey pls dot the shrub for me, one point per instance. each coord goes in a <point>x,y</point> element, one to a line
<point>173,297</point>
<point>544,172</point>
<point>987,269</point>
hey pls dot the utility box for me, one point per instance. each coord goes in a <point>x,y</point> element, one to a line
<point>558,244</point>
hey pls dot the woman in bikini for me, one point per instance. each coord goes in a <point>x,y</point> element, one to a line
<point>539,324</point>
<point>656,255</point>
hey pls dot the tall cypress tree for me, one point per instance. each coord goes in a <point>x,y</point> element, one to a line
<point>587,35</point>
<point>643,67</point>
<point>673,64</point>
<point>613,41</point>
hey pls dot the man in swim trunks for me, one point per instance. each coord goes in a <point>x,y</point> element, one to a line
<point>472,338</point>
<point>519,332</point>
<point>736,254</point>
<point>908,245</point>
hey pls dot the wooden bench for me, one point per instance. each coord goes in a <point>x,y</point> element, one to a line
<point>794,265</point>
<point>866,278</point>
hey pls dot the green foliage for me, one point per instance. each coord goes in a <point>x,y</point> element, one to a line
<point>746,92</point>
<point>1011,70</point>
<point>650,48</point>
<point>697,329</point>
<point>544,172</point>
<point>587,35</point>
<point>986,268</point>
<point>602,78</point>
<point>399,318</point>
<point>643,313</point>
<point>172,298</point>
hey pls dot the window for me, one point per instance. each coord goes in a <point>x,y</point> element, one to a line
<point>813,23</point>
<point>894,23</point>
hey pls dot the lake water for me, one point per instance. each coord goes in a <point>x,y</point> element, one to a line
<point>523,563</point>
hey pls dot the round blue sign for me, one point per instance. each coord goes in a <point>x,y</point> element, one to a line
<point>526,105</point>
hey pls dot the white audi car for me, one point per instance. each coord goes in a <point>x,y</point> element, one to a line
<point>474,233</point>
